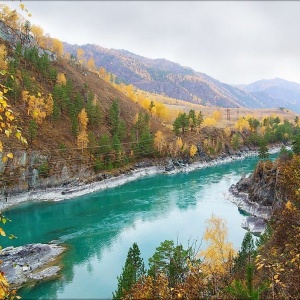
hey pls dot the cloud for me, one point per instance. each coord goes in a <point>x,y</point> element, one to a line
<point>235,42</point>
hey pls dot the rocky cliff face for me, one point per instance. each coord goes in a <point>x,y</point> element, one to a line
<point>257,195</point>
<point>261,185</point>
<point>29,170</point>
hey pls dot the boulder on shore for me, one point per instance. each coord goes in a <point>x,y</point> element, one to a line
<point>29,263</point>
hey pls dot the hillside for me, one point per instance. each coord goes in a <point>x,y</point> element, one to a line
<point>47,94</point>
<point>173,80</point>
<point>81,126</point>
<point>78,127</point>
<point>277,91</point>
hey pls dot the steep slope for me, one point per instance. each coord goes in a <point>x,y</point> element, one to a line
<point>165,77</point>
<point>53,154</point>
<point>280,92</point>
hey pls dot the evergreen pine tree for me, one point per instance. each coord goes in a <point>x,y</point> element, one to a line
<point>133,270</point>
<point>296,145</point>
<point>114,113</point>
<point>246,254</point>
<point>263,151</point>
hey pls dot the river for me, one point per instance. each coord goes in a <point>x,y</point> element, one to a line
<point>99,228</point>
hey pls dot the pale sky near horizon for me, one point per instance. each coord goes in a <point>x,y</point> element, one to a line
<point>235,42</point>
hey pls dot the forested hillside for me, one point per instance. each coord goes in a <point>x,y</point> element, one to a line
<point>79,121</point>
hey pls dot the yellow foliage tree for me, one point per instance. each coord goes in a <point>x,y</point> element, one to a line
<point>209,122</point>
<point>227,132</point>
<point>91,64</point>
<point>57,47</point>
<point>178,145</point>
<point>3,53</point>
<point>49,105</point>
<point>193,150</point>
<point>217,257</point>
<point>67,56</point>
<point>217,115</point>
<point>38,107</point>
<point>102,72</point>
<point>82,138</point>
<point>9,17</point>
<point>38,33</point>
<point>80,55</point>
<point>159,141</point>
<point>7,118</point>
<point>83,119</point>
<point>242,124</point>
<point>61,79</point>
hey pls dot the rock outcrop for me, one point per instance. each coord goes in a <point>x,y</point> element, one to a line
<point>29,263</point>
<point>257,196</point>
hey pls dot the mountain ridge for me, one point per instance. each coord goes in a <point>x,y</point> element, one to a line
<point>169,78</point>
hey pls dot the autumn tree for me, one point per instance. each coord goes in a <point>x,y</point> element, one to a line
<point>82,138</point>
<point>178,145</point>
<point>9,17</point>
<point>159,141</point>
<point>209,122</point>
<point>7,126</point>
<point>61,79</point>
<point>38,107</point>
<point>57,47</point>
<point>227,132</point>
<point>3,62</point>
<point>242,124</point>
<point>38,33</point>
<point>193,150</point>
<point>80,55</point>
<point>217,115</point>
<point>102,72</point>
<point>91,64</point>
<point>217,257</point>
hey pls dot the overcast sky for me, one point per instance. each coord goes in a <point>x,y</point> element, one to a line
<point>234,42</point>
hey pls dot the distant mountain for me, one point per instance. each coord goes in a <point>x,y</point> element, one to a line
<point>277,92</point>
<point>173,80</point>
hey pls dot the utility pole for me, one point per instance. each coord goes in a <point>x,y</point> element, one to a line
<point>228,114</point>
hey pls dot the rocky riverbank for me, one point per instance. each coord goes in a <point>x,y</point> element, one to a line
<point>30,263</point>
<point>256,195</point>
<point>76,188</point>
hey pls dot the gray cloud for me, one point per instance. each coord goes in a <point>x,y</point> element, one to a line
<point>234,42</point>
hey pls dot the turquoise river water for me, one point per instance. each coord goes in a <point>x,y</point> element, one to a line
<point>99,228</point>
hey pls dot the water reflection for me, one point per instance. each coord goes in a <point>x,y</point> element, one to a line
<point>100,227</point>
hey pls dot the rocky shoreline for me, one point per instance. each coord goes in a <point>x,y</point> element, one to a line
<point>30,263</point>
<point>76,188</point>
<point>35,262</point>
<point>256,196</point>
